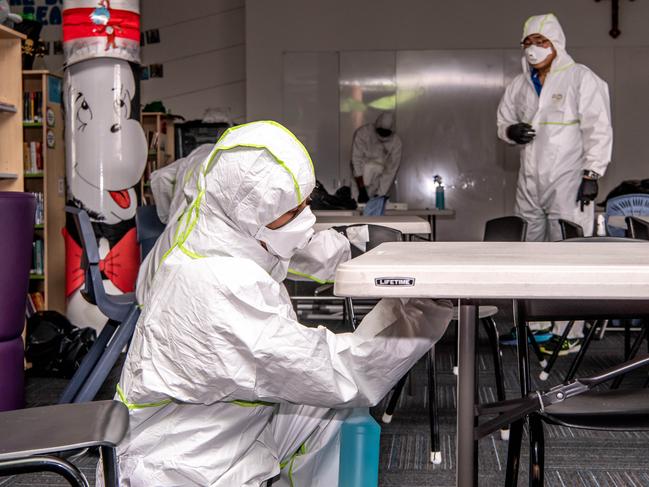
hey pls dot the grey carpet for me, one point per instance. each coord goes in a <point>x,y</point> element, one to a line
<point>573,457</point>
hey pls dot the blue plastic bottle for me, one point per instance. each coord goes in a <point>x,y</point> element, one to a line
<point>360,438</point>
<point>439,197</point>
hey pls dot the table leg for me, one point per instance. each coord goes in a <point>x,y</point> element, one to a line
<point>466,383</point>
<point>432,220</point>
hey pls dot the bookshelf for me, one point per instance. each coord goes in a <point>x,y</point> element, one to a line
<point>43,173</point>
<point>159,132</point>
<point>11,134</point>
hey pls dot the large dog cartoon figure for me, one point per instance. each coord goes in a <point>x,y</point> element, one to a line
<point>106,155</point>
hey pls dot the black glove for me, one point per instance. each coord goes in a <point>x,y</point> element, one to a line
<point>362,195</point>
<point>587,191</point>
<point>521,133</point>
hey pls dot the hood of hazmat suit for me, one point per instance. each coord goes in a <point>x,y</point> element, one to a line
<point>222,383</point>
<point>376,158</point>
<point>572,120</point>
<point>317,261</point>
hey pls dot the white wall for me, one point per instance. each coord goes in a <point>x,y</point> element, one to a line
<point>202,49</point>
<point>273,28</point>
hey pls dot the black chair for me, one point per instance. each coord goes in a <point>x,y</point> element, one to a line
<point>148,227</point>
<point>570,229</point>
<point>574,403</point>
<point>637,228</point>
<point>505,229</point>
<point>377,235</point>
<point>122,312</point>
<point>316,296</point>
<point>591,326</point>
<point>33,439</point>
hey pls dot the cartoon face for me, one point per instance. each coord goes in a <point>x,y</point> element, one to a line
<point>106,150</point>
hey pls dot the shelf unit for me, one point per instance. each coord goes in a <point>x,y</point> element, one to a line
<point>50,181</point>
<point>11,134</point>
<point>159,131</point>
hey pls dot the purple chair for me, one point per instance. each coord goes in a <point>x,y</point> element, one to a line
<point>17,226</point>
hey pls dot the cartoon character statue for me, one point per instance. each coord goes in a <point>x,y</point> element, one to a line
<point>106,152</point>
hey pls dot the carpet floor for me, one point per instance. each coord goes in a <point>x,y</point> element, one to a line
<point>572,457</point>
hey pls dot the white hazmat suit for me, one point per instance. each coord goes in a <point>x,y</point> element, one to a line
<point>223,385</point>
<point>374,158</point>
<point>572,121</point>
<point>317,261</point>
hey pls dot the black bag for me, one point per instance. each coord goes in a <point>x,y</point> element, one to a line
<point>631,186</point>
<point>55,347</point>
<point>341,200</point>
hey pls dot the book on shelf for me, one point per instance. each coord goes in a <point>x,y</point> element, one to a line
<point>40,208</point>
<point>38,257</point>
<point>33,107</point>
<point>35,303</point>
<point>33,156</point>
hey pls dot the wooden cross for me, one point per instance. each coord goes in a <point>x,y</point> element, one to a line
<point>615,18</point>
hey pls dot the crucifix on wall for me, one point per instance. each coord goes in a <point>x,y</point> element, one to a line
<point>615,18</point>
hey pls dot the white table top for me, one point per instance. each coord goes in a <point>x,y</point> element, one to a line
<point>405,224</point>
<point>421,212</point>
<point>413,212</point>
<point>551,270</point>
<point>319,213</point>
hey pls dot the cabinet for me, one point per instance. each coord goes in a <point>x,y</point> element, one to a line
<point>43,156</point>
<point>11,136</point>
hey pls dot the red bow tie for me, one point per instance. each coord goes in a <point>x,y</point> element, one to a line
<point>120,265</point>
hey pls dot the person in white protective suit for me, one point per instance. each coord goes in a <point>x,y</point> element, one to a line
<point>224,386</point>
<point>559,112</point>
<point>317,261</point>
<point>376,156</point>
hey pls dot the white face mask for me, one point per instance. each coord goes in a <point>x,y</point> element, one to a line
<point>284,241</point>
<point>536,54</point>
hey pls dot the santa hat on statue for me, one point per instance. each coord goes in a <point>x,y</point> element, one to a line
<point>101,28</point>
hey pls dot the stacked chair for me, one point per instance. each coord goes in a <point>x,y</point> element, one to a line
<point>39,439</point>
<point>17,212</point>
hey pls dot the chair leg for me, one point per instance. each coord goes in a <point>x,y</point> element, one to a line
<point>492,332</point>
<point>536,349</point>
<point>109,464</point>
<point>537,451</point>
<point>553,358</point>
<point>514,453</point>
<point>105,364</point>
<point>627,339</point>
<point>433,412</point>
<point>88,363</point>
<point>44,463</point>
<point>394,399</point>
<point>602,332</point>
<point>632,353</point>
<point>349,305</point>
<point>455,345</point>
<point>582,351</point>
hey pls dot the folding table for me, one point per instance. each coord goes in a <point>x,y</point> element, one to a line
<point>468,271</point>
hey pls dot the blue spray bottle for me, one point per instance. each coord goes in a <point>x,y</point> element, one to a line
<point>439,192</point>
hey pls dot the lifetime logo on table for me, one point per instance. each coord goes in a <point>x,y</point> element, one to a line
<point>394,281</point>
